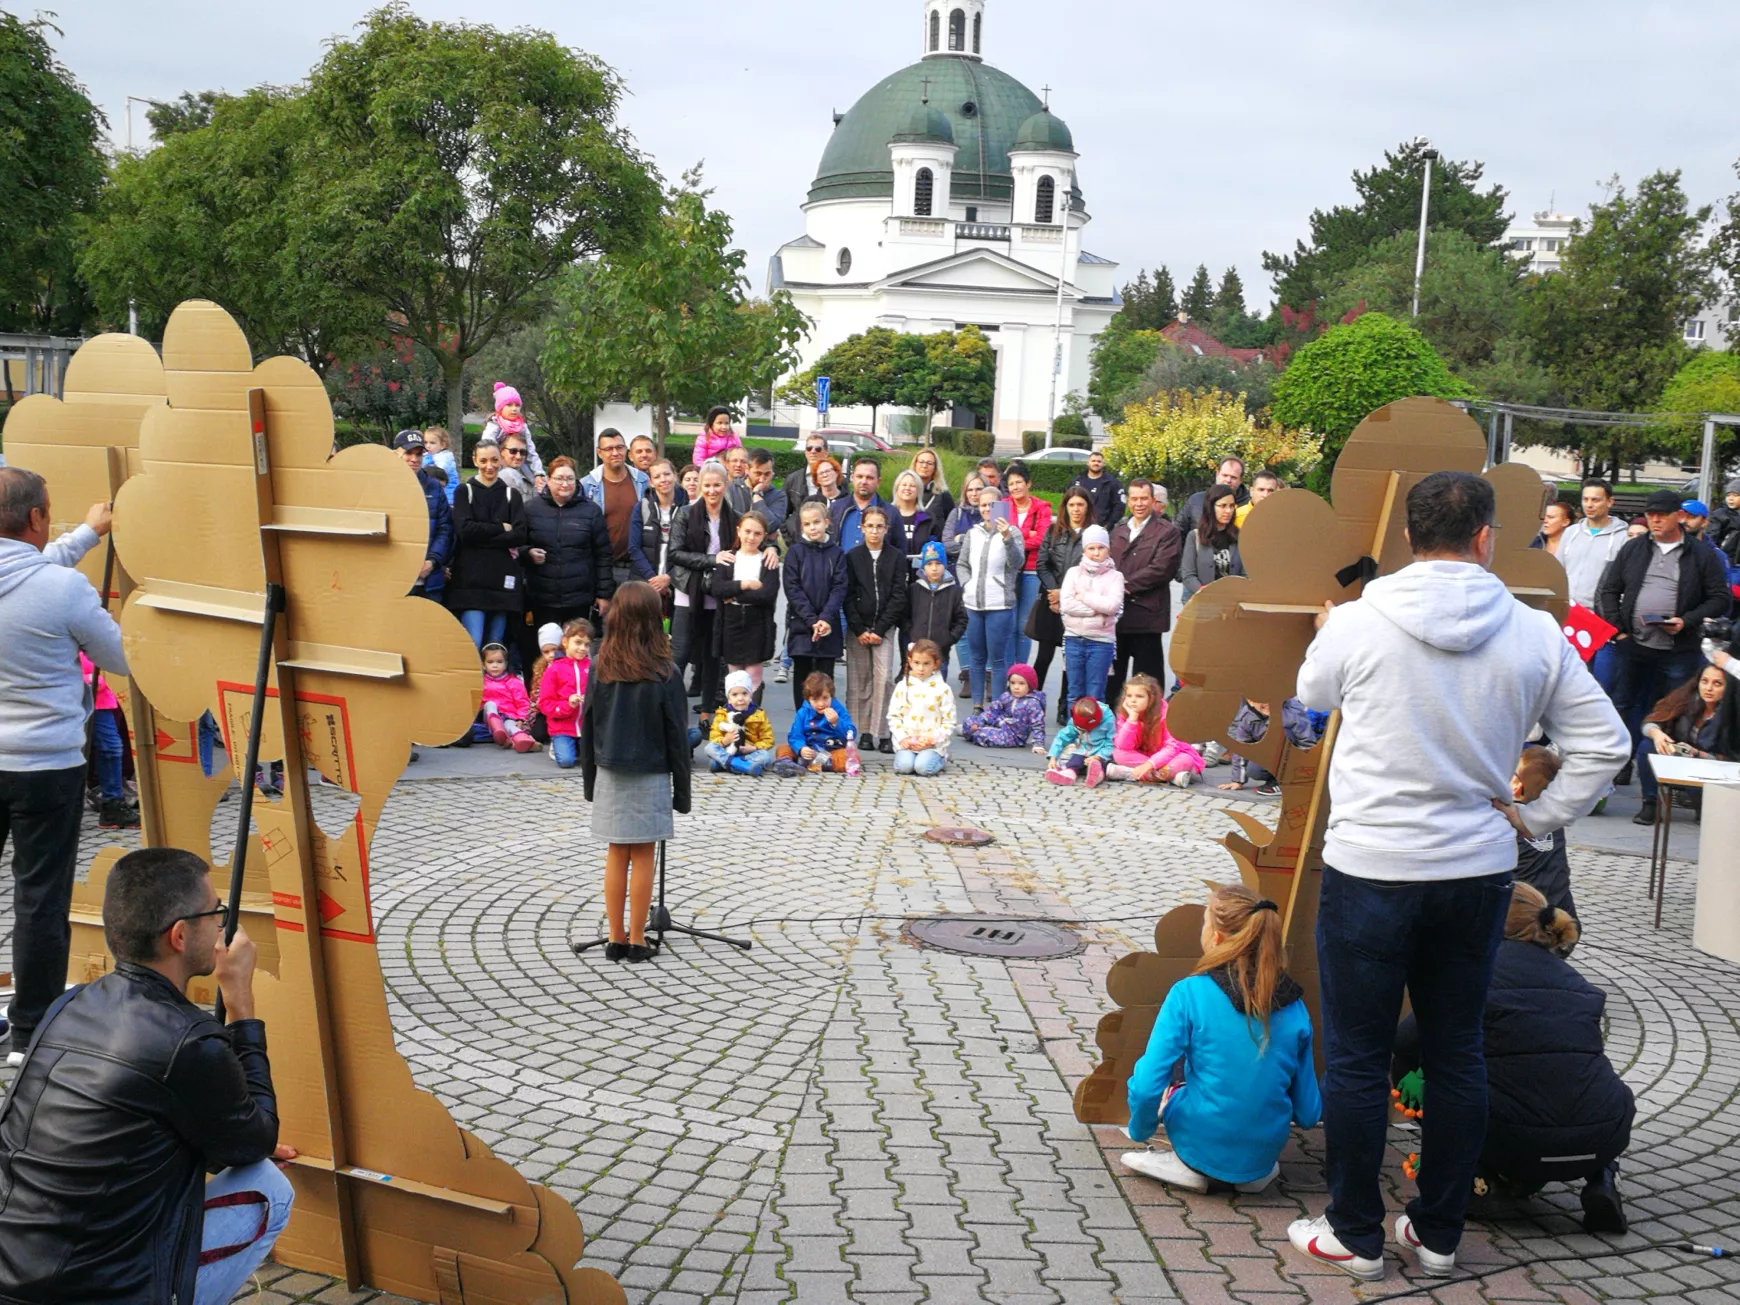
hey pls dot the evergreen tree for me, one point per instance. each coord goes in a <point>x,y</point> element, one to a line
<point>1164,308</point>
<point>1229,300</point>
<point>1199,298</point>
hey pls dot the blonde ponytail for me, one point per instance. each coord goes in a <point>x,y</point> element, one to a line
<point>1250,949</point>
<point>1531,920</point>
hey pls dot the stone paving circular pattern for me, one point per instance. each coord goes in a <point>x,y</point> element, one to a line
<point>838,1116</point>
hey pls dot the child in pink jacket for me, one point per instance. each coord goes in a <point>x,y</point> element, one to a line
<point>1142,748</point>
<point>716,437</point>
<point>562,692</point>
<point>506,704</point>
<point>1089,602</point>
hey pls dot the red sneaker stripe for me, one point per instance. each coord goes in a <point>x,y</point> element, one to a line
<point>1325,1255</point>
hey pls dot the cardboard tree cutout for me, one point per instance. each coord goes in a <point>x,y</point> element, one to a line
<point>1246,636</point>
<point>233,488</point>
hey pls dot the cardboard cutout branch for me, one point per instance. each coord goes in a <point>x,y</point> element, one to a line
<point>226,483</point>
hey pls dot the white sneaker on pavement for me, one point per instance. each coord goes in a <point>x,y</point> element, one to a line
<point>14,1059</point>
<point>1432,1264</point>
<point>1314,1237</point>
<point>1167,1167</point>
<point>1262,1184</point>
<point>1184,778</point>
<point>1115,771</point>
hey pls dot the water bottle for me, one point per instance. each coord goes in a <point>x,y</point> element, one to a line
<point>854,763</point>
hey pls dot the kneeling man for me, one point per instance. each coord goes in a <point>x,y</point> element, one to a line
<point>129,1096</point>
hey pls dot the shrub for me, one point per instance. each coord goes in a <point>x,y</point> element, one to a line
<point>1178,436</point>
<point>961,439</point>
<point>1073,425</point>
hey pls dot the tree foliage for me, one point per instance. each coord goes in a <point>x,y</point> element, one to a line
<point>1176,369</point>
<point>452,171</point>
<point>51,169</point>
<point>1185,433</point>
<point>948,369</point>
<point>666,324</point>
<point>1149,305</point>
<point>1120,358</point>
<point>863,371</point>
<point>387,390</point>
<point>1229,299</point>
<point>187,112</point>
<point>1708,382</point>
<point>1337,379</point>
<point>1198,301</point>
<point>1388,204</point>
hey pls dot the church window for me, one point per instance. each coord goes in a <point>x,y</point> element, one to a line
<point>958,30</point>
<point>978,27</point>
<point>935,30</point>
<point>843,264</point>
<point>1045,201</point>
<point>923,186</point>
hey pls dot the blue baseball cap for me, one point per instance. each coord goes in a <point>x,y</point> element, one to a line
<point>1695,507</point>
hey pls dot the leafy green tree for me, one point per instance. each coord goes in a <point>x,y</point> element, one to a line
<point>188,112</point>
<point>862,370</point>
<point>949,369</point>
<point>665,324</point>
<point>563,426</point>
<point>1340,377</point>
<point>1608,328</point>
<point>1470,295</point>
<point>1708,382</point>
<point>1229,299</point>
<point>1149,305</point>
<point>386,390</point>
<point>212,213</point>
<point>451,172</point>
<point>1174,370</point>
<point>1389,203</point>
<point>51,169</point>
<point>1198,302</point>
<point>1119,359</point>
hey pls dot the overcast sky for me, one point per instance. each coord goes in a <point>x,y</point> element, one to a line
<point>1208,132</point>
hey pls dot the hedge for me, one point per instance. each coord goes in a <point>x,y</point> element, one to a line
<point>1034,440</point>
<point>960,439</point>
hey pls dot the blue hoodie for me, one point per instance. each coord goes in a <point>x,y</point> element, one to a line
<point>49,613</point>
<point>810,729</point>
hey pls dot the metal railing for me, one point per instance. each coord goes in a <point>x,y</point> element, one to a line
<point>43,358</point>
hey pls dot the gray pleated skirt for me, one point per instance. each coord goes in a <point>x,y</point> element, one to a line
<point>631,806</point>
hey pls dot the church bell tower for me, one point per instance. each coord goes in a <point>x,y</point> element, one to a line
<point>954,28</point>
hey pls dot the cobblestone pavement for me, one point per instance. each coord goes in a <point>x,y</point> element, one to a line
<point>838,1115</point>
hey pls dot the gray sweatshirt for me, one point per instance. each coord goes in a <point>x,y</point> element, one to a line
<point>48,614</point>
<point>1585,556</point>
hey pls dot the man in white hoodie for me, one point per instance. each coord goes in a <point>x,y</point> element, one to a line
<point>1439,675</point>
<point>49,613</point>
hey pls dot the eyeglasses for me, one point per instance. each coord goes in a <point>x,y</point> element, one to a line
<point>513,453</point>
<point>201,915</point>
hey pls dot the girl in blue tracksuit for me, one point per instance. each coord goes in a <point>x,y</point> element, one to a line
<point>1228,1067</point>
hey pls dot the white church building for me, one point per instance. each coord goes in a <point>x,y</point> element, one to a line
<point>948,195</point>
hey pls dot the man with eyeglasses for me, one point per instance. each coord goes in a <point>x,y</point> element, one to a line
<point>130,1095</point>
<point>615,487</point>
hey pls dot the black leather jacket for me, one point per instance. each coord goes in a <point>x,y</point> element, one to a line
<point>130,1094</point>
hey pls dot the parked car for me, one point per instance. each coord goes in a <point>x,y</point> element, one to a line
<point>1057,453</point>
<point>844,443</point>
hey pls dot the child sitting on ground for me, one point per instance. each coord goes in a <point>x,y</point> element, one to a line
<point>821,730</point>
<point>921,714</point>
<point>1014,720</point>
<point>1228,1067</point>
<point>1142,748</point>
<point>1251,725</point>
<point>1542,861</point>
<point>506,704</point>
<point>562,689</point>
<point>740,739</point>
<point>1082,747</point>
<point>549,649</point>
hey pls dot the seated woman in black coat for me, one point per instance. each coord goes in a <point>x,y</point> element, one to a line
<point>1698,719</point>
<point>1557,1111</point>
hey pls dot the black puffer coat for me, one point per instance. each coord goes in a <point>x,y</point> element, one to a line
<point>486,575</point>
<point>743,633</point>
<point>576,543</point>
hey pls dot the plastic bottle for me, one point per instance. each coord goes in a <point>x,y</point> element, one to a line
<point>854,763</point>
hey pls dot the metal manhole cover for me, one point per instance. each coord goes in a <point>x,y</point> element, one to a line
<point>981,935</point>
<point>960,835</point>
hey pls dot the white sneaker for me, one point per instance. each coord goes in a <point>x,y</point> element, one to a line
<point>1115,771</point>
<point>1432,1264</point>
<point>14,1059</point>
<point>1213,754</point>
<point>1184,778</point>
<point>1262,1184</point>
<point>779,674</point>
<point>1167,1167</point>
<point>1314,1237</point>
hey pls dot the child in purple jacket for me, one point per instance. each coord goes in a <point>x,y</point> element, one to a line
<point>1017,719</point>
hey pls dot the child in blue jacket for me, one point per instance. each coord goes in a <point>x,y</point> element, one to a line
<point>1084,746</point>
<point>1228,1067</point>
<point>820,731</point>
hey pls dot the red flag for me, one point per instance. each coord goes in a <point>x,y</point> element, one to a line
<point>1587,631</point>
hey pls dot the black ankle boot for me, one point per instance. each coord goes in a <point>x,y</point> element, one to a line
<point>1602,1210</point>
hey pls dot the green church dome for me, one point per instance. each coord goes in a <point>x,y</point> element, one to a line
<point>985,109</point>
<point>1044,131</point>
<point>927,123</point>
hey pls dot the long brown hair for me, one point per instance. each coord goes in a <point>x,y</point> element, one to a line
<point>1531,920</point>
<point>1060,528</point>
<point>1208,530</point>
<point>1151,725</point>
<point>635,646</point>
<point>1251,948</point>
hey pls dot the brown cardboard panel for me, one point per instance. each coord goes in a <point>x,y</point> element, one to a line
<point>406,1201</point>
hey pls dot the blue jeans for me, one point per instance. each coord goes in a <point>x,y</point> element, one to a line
<point>106,736</point>
<point>1642,678</point>
<point>1020,648</point>
<point>928,762</point>
<point>246,1229</point>
<point>566,749</point>
<point>484,627</point>
<point>1438,939</point>
<point>720,753</point>
<point>987,650</point>
<point>1086,663</point>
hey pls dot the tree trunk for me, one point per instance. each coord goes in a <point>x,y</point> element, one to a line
<point>452,376</point>
<point>661,424</point>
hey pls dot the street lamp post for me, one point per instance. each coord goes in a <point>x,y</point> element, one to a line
<point>1427,153</point>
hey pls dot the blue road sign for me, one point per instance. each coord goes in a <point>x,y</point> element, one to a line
<point>822,384</point>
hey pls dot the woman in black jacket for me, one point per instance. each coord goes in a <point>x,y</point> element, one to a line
<point>1557,1112</point>
<point>1060,551</point>
<point>743,629</point>
<point>877,575</point>
<point>489,525</point>
<point>568,553</point>
<point>634,758</point>
<point>709,536</point>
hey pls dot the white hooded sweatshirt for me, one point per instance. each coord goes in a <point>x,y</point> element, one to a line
<point>1440,676</point>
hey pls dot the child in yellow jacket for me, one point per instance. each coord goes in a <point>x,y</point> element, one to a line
<point>741,738</point>
<point>921,715</point>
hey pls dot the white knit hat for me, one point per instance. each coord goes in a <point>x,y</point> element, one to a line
<point>550,635</point>
<point>739,680</point>
<point>1095,535</point>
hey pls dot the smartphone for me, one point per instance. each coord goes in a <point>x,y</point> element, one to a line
<point>1000,511</point>
<point>1658,619</point>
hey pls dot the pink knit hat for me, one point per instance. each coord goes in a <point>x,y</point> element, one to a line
<point>506,394</point>
<point>1027,673</point>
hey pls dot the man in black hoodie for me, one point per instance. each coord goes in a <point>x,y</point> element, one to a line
<point>1103,488</point>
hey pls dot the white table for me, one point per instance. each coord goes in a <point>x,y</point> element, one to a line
<point>1677,772</point>
<point>1716,921</point>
